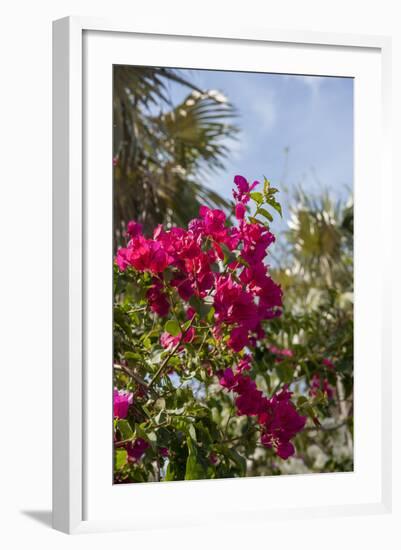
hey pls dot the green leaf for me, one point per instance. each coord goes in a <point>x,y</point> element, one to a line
<point>132,355</point>
<point>170,472</point>
<point>285,373</point>
<point>186,325</point>
<point>309,410</point>
<point>147,344</point>
<point>238,460</point>
<point>319,398</point>
<point>193,470</point>
<point>204,434</point>
<point>301,400</point>
<point>242,261</point>
<point>161,417</point>
<point>263,212</point>
<point>140,432</point>
<point>266,185</point>
<point>210,315</point>
<point>257,197</point>
<point>192,432</point>
<point>274,204</point>
<point>172,327</point>
<point>199,306</point>
<point>120,459</point>
<point>152,438</point>
<point>160,403</point>
<point>125,429</point>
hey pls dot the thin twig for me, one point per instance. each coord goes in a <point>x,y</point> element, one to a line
<point>169,356</point>
<point>136,377</point>
<point>326,428</point>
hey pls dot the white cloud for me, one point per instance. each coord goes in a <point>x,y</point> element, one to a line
<point>258,103</point>
<point>264,107</point>
<point>314,83</point>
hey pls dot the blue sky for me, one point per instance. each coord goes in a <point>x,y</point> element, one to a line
<point>310,116</point>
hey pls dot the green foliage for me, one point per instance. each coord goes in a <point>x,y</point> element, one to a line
<point>172,327</point>
<point>179,405</point>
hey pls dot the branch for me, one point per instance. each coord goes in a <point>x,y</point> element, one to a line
<point>169,356</point>
<point>136,377</point>
<point>326,428</point>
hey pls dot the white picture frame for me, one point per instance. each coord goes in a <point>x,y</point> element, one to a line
<point>70,229</point>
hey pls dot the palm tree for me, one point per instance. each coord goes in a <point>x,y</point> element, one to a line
<point>163,153</point>
<point>319,251</point>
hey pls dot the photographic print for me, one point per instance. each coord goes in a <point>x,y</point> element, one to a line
<point>232,274</point>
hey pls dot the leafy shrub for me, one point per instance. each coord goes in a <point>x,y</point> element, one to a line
<point>204,387</point>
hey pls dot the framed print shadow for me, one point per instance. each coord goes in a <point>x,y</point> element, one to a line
<point>212,220</point>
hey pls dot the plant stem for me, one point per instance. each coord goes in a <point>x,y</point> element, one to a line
<point>169,356</point>
<point>135,377</point>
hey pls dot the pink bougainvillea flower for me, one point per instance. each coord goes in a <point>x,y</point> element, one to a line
<point>213,458</point>
<point>122,259</point>
<point>236,305</point>
<point>169,342</point>
<point>227,378</point>
<point>180,243</point>
<point>154,258</point>
<point>189,335</point>
<point>256,238</point>
<point>232,238</point>
<point>137,449</point>
<point>143,254</point>
<point>164,452</point>
<point>187,263</point>
<point>280,353</point>
<point>122,399</point>
<point>184,287</point>
<point>191,313</point>
<point>245,363</point>
<point>240,211</point>
<point>249,403</point>
<point>134,229</point>
<point>322,384</point>
<point>228,295</point>
<point>250,400</point>
<point>285,449</point>
<point>213,222</point>
<point>277,416</point>
<point>283,352</point>
<point>327,363</point>
<point>219,254</point>
<point>243,189</point>
<point>157,299</point>
<point>238,339</point>
<point>280,422</point>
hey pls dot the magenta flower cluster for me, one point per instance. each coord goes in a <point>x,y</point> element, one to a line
<point>225,265</point>
<point>318,382</point>
<point>244,294</point>
<point>278,419</point>
<point>122,399</point>
<point>136,449</point>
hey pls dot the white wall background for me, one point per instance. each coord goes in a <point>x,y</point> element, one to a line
<point>25,218</point>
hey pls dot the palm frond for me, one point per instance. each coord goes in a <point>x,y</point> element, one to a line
<point>161,158</point>
<point>320,248</point>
